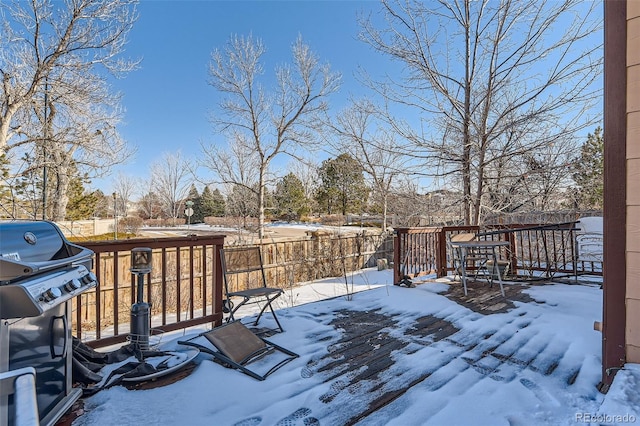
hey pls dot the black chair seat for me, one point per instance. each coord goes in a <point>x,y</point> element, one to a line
<point>255,292</point>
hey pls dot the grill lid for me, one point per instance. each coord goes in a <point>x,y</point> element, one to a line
<point>31,247</point>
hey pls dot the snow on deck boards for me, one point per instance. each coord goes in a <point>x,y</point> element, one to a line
<point>363,364</point>
<point>399,356</point>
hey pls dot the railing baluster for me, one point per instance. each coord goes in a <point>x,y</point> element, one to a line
<point>98,293</point>
<point>191,282</point>
<point>203,249</point>
<point>178,286</point>
<point>116,299</point>
<point>163,284</point>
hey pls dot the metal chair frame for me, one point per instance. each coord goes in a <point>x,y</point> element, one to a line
<point>479,257</point>
<point>247,261</point>
<point>235,346</point>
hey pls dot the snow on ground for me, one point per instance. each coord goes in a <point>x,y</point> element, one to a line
<point>463,385</point>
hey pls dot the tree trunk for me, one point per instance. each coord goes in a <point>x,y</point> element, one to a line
<point>261,184</point>
<point>385,203</point>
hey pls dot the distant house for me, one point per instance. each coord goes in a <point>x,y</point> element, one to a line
<point>621,310</point>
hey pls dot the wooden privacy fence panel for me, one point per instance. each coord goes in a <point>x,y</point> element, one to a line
<point>323,254</point>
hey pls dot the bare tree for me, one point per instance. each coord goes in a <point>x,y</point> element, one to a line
<point>125,186</point>
<point>79,136</point>
<point>536,181</point>
<point>265,123</point>
<point>362,136</point>
<point>490,80</point>
<point>149,205</point>
<point>170,183</point>
<point>42,42</point>
<point>54,101</point>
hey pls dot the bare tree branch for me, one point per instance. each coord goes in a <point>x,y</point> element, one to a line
<point>263,124</point>
<point>493,82</point>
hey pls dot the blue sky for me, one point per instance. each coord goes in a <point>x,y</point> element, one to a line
<point>167,101</point>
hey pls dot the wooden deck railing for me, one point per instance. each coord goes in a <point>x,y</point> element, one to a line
<point>535,251</point>
<point>184,287</point>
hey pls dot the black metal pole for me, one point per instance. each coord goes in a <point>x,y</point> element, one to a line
<point>140,290</point>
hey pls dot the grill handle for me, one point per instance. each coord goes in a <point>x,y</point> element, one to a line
<point>52,345</point>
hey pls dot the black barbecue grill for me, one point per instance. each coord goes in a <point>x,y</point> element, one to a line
<point>40,273</point>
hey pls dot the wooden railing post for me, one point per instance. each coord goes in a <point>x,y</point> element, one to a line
<point>441,256</point>
<point>217,289</point>
<point>396,255</point>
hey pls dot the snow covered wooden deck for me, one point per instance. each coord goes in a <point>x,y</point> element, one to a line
<point>406,356</point>
<point>361,365</point>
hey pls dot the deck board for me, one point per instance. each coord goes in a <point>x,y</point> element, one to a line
<point>363,362</point>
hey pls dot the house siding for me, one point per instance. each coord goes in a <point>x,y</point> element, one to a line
<point>632,298</point>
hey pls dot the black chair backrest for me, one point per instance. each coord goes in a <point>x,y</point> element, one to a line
<point>242,269</point>
<point>242,259</point>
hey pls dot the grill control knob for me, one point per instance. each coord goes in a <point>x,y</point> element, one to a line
<point>51,294</point>
<point>89,278</point>
<point>72,285</point>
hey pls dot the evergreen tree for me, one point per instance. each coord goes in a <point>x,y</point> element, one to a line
<point>212,202</point>
<point>196,199</point>
<point>82,204</point>
<point>206,203</point>
<point>588,172</point>
<point>28,189</point>
<point>290,201</point>
<point>342,186</point>
<point>219,203</point>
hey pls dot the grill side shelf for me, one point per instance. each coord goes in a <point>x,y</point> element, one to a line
<point>10,270</point>
<point>17,302</point>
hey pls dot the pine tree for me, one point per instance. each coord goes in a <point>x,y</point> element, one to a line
<point>213,203</point>
<point>6,198</point>
<point>206,203</point>
<point>343,187</point>
<point>82,204</point>
<point>196,199</point>
<point>290,200</point>
<point>588,172</point>
<point>28,189</point>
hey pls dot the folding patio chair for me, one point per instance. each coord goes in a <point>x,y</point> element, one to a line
<point>235,346</point>
<point>244,277</point>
